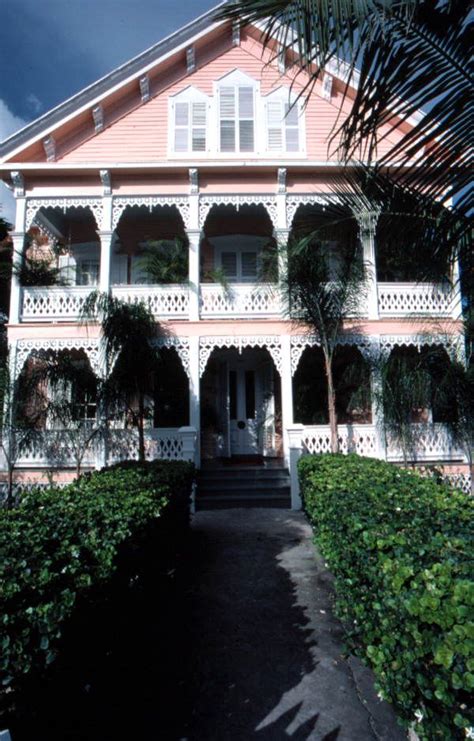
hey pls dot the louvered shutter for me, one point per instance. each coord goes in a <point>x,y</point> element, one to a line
<point>249,265</point>
<point>199,121</point>
<point>229,264</point>
<point>227,119</point>
<point>246,119</point>
<point>181,127</point>
<point>118,273</point>
<point>292,128</point>
<point>274,126</point>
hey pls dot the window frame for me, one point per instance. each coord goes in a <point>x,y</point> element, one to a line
<point>189,96</point>
<point>284,96</point>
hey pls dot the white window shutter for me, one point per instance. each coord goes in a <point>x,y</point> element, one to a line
<point>292,134</point>
<point>246,119</point>
<point>181,127</point>
<point>199,125</point>
<point>274,126</point>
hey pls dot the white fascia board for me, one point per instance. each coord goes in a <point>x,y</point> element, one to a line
<point>177,165</point>
<point>98,98</point>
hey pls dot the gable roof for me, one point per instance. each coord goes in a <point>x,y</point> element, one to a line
<point>116,78</point>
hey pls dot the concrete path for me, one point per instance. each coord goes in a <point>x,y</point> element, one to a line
<point>266,660</point>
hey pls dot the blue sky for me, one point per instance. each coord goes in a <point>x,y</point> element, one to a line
<point>51,49</point>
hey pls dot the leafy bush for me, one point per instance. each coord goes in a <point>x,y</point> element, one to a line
<point>60,543</point>
<point>400,547</point>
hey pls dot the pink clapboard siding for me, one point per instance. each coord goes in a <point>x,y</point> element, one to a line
<point>141,135</point>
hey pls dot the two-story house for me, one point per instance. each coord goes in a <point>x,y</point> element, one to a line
<point>196,145</point>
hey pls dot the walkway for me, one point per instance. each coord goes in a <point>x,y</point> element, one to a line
<point>267,660</point>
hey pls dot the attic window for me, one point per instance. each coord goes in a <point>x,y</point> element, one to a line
<point>190,127</point>
<point>283,123</point>
<point>236,118</point>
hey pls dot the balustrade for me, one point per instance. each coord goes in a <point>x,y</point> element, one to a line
<point>240,300</point>
<point>405,299</point>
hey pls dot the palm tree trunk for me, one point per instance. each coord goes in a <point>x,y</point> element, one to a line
<point>10,488</point>
<point>331,405</point>
<point>141,431</point>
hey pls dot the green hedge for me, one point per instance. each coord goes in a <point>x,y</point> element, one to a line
<point>401,549</point>
<point>59,544</point>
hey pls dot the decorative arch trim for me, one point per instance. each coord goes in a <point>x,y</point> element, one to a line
<point>181,345</point>
<point>25,348</point>
<point>119,205</point>
<point>95,205</point>
<point>270,342</point>
<point>269,202</point>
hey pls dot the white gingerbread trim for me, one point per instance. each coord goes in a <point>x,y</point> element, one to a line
<point>367,345</point>
<point>272,343</point>
<point>25,348</point>
<point>293,202</point>
<point>181,345</point>
<point>119,204</point>
<point>33,205</point>
<point>269,202</point>
<point>453,344</point>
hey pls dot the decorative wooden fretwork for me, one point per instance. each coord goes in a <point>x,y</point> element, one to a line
<point>94,205</point>
<point>120,203</point>
<point>269,202</point>
<point>270,342</point>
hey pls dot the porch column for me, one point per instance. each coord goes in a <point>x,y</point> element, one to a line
<point>377,412</point>
<point>18,238</point>
<point>367,226</point>
<point>286,393</point>
<point>105,260</point>
<point>194,236</point>
<point>296,449</point>
<point>194,394</point>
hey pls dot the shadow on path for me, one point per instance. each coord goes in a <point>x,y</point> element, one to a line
<point>239,643</point>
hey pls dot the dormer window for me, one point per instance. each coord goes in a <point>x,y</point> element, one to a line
<point>237,95</point>
<point>236,119</point>
<point>283,118</point>
<point>189,116</point>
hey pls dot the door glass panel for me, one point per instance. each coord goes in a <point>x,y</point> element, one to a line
<point>233,395</point>
<point>250,394</point>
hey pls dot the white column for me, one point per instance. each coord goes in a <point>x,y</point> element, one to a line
<point>377,412</point>
<point>105,260</point>
<point>286,392</point>
<point>367,225</point>
<point>194,236</point>
<point>18,237</point>
<point>194,394</point>
<point>295,433</point>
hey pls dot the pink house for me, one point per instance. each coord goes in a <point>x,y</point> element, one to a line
<point>196,139</point>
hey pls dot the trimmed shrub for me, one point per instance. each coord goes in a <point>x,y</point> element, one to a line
<point>59,544</point>
<point>401,550</point>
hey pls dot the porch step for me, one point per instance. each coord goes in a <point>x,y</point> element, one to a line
<point>243,486</point>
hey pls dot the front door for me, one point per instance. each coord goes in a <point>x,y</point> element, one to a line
<point>244,396</point>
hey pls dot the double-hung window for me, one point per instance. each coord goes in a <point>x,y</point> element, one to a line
<point>239,265</point>
<point>236,118</point>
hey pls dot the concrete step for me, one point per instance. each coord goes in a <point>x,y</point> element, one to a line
<point>243,486</point>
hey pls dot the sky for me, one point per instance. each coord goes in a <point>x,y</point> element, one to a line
<point>51,49</point>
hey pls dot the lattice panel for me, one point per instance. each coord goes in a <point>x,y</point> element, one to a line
<point>40,304</point>
<point>361,439</point>
<point>165,444</point>
<point>52,448</point>
<point>163,301</point>
<point>459,481</point>
<point>430,443</point>
<point>404,300</point>
<point>240,301</point>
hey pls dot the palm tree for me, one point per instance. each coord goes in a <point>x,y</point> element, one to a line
<point>403,57</point>
<point>131,358</point>
<point>321,291</point>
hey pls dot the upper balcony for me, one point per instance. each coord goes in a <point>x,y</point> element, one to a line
<point>230,269</point>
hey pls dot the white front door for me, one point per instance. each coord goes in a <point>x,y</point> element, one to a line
<point>244,398</point>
